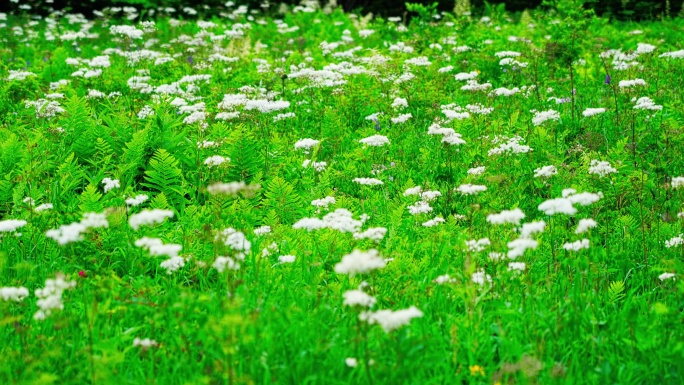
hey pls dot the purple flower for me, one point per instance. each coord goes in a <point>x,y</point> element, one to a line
<point>607,79</point>
<point>190,60</point>
<point>377,124</point>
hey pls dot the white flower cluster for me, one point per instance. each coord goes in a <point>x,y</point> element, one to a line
<point>144,343</point>
<point>545,172</point>
<point>374,233</point>
<point>358,298</point>
<point>368,181</point>
<point>16,294</point>
<point>341,220</point>
<point>674,241</point>
<point>360,262</point>
<point>137,200</point>
<point>306,144</point>
<point>50,297</point>
<point>391,320</point>
<point>631,83</point>
<point>506,216</point>
<point>577,245</point>
<point>601,168</point>
<point>593,111</point>
<point>215,160</point>
<point>543,116</point>
<point>110,184</point>
<point>74,232</point>
<point>645,103</point>
<point>478,245</point>
<point>149,217</point>
<point>45,108</point>
<point>11,225</point>
<point>470,189</point>
<point>236,240</point>
<point>222,263</point>
<point>584,225</point>
<point>155,247</point>
<point>127,31</point>
<point>375,141</point>
<point>511,146</point>
<point>231,188</point>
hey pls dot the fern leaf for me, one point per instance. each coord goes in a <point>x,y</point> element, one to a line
<point>163,175</point>
<point>89,200</point>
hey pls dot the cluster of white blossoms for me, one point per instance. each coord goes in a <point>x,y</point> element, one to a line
<point>359,298</point>
<point>675,241</point>
<point>584,225</point>
<point>677,182</point>
<point>506,216</point>
<point>479,277</point>
<point>340,220</point>
<point>215,160</point>
<point>449,136</point>
<point>544,116</point>
<point>11,225</point>
<point>235,240</point>
<point>156,247</point>
<point>646,103</point>
<point>545,172</point>
<point>144,343</point>
<point>50,297</point>
<point>577,245</point>
<point>74,232</point>
<point>375,141</point>
<point>110,184</point>
<point>593,111</point>
<point>391,320</point>
<point>368,181</point>
<point>323,202</point>
<point>360,262</point>
<point>222,263</point>
<point>149,217</point>
<point>403,118</point>
<point>601,168</point>
<point>374,233</point>
<point>631,83</point>
<point>478,245</point>
<point>509,146</point>
<point>137,200</point>
<point>433,222</point>
<point>231,188</point>
<point>470,189</point>
<point>15,294</point>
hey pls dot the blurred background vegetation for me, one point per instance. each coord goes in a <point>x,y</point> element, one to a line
<point>614,9</point>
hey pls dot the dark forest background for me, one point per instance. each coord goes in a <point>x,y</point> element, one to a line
<point>616,9</point>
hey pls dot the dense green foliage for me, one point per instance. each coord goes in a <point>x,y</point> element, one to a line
<point>619,9</point>
<point>188,105</point>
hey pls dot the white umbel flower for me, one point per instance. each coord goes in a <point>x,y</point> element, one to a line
<point>360,262</point>
<point>391,320</point>
<point>375,141</point>
<point>584,225</point>
<point>577,245</point>
<point>358,298</point>
<point>507,216</point>
<point>148,217</point>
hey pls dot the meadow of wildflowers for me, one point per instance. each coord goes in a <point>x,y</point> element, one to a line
<point>304,196</point>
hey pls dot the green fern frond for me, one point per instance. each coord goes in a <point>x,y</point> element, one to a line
<point>616,292</point>
<point>281,197</point>
<point>164,175</point>
<point>89,200</point>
